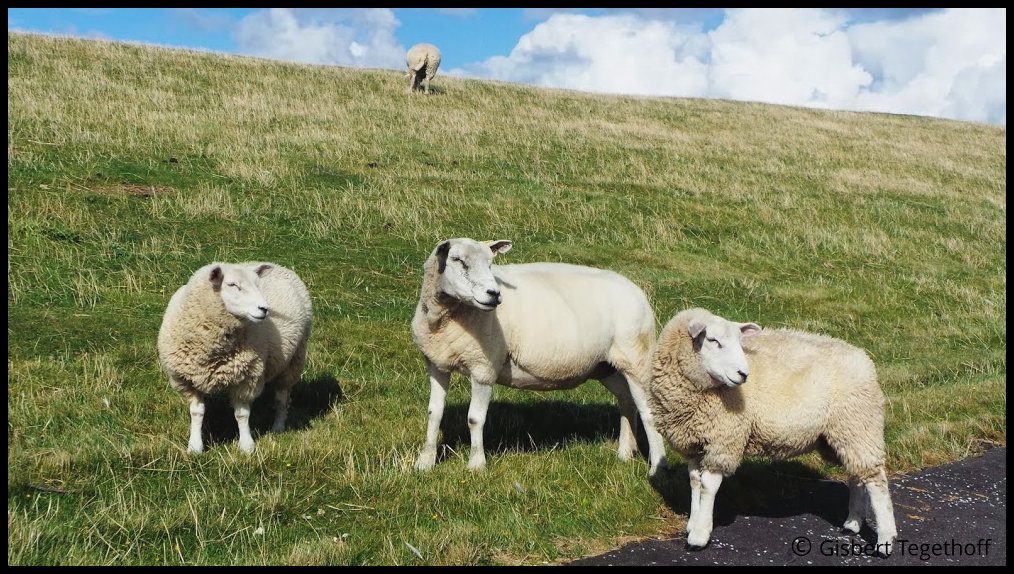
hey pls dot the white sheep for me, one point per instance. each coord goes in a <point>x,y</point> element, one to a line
<point>722,390</point>
<point>537,326</point>
<point>423,61</point>
<point>232,328</point>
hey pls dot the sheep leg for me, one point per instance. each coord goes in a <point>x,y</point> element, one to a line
<point>196,444</point>
<point>694,470</point>
<point>241,409</point>
<point>482,393</point>
<point>620,389</point>
<point>439,381</point>
<point>656,444</point>
<point>281,409</point>
<point>883,512</point>
<point>699,530</point>
<point>283,387</point>
<point>857,506</point>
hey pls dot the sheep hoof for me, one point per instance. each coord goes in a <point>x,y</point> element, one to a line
<point>246,448</point>
<point>885,544</point>
<point>852,525</point>
<point>697,542</point>
<point>195,448</point>
<point>662,464</point>
<point>427,459</point>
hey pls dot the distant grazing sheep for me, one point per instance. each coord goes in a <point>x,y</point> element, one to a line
<point>537,326</point>
<point>232,328</point>
<point>423,61</point>
<point>722,390</point>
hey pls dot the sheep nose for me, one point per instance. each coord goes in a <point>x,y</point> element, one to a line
<point>494,294</point>
<point>264,309</point>
<point>743,375</point>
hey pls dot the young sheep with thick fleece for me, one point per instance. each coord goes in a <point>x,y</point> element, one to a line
<point>232,328</point>
<point>722,390</point>
<point>536,326</point>
<point>423,61</point>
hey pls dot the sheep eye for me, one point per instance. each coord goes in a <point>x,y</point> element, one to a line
<point>715,341</point>
<point>457,259</point>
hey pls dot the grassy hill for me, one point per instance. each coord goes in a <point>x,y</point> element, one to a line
<point>128,167</point>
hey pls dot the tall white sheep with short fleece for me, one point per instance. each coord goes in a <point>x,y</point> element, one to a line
<point>537,326</point>
<point>232,328</point>
<point>722,390</point>
<point>423,61</point>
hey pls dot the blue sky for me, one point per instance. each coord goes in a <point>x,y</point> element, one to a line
<point>948,63</point>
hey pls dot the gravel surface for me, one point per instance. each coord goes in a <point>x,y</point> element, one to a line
<point>949,515</point>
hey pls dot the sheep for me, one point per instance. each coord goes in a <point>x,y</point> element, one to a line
<point>423,61</point>
<point>722,390</point>
<point>536,326</point>
<point>230,329</point>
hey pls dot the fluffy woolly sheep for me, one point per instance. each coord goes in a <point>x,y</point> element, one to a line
<point>722,390</point>
<point>536,326</point>
<point>423,61</point>
<point>232,328</point>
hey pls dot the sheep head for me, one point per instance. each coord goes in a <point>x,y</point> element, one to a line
<point>465,268</point>
<point>718,344</point>
<point>239,287</point>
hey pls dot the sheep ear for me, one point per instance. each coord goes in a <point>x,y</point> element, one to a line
<point>216,276</point>
<point>500,246</point>
<point>263,269</point>
<point>749,329</point>
<point>441,252</point>
<point>695,328</point>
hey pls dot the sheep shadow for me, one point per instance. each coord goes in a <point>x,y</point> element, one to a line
<point>535,426</point>
<point>782,489</point>
<point>310,399</point>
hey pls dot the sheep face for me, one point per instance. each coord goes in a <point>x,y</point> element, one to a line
<point>719,346</point>
<point>239,287</point>
<point>466,271</point>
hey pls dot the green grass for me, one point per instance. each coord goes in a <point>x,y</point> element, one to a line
<point>129,166</point>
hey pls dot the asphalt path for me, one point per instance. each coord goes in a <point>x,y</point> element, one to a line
<point>951,515</point>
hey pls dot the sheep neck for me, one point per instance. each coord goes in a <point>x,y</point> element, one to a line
<point>437,306</point>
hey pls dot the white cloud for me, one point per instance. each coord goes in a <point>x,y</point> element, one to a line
<point>948,63</point>
<point>611,54</point>
<point>784,56</point>
<point>362,37</point>
<point>951,64</point>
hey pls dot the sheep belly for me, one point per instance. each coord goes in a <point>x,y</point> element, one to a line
<point>516,376</point>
